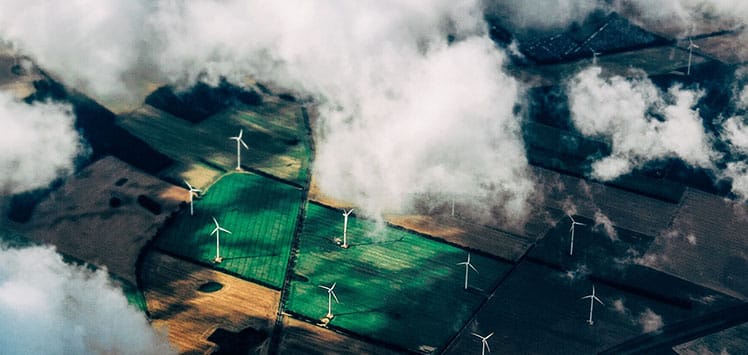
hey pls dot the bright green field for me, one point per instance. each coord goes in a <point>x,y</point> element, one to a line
<point>261,214</point>
<point>393,285</point>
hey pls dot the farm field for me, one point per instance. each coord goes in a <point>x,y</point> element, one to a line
<point>260,212</point>
<point>275,131</point>
<point>617,262</point>
<point>299,337</point>
<point>101,215</point>
<point>706,244</point>
<point>190,316</point>
<point>729,341</point>
<point>393,285</point>
<point>536,300</point>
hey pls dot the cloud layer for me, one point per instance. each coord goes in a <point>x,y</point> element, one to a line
<point>49,307</point>
<point>640,122</point>
<point>39,144</point>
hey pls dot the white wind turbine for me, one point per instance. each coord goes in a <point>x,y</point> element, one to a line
<point>691,46</point>
<point>594,56</point>
<point>217,231</point>
<point>330,296</point>
<point>468,266</point>
<point>193,192</point>
<point>345,228</point>
<point>239,144</point>
<point>592,298</point>
<point>484,341</point>
<point>573,223</point>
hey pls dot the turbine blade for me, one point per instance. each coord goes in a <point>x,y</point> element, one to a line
<point>489,335</point>
<point>333,296</point>
<point>214,231</point>
<point>476,334</point>
<point>241,132</point>
<point>188,184</point>
<point>463,263</point>
<point>571,218</point>
<point>244,144</point>
<point>215,221</point>
<point>224,230</point>
<point>585,297</point>
<point>485,342</point>
<point>333,285</point>
<point>325,287</point>
<point>474,269</point>
<point>598,300</point>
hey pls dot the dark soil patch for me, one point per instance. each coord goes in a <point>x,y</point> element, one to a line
<point>231,343</point>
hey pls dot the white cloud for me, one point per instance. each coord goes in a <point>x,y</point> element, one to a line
<point>49,307</point>
<point>650,321</point>
<point>640,122</point>
<point>603,222</point>
<point>39,143</point>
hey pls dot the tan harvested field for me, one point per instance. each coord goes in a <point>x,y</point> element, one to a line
<point>78,219</point>
<point>726,48</point>
<point>190,316</point>
<point>19,85</point>
<point>299,337</point>
<point>707,244</point>
<point>473,236</point>
<point>729,341</point>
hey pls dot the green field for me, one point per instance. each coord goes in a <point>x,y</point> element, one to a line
<point>261,214</point>
<point>393,285</point>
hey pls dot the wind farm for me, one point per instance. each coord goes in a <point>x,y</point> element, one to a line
<point>498,230</point>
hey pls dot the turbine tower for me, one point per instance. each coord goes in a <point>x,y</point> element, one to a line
<point>193,192</point>
<point>573,223</point>
<point>239,144</point>
<point>484,341</point>
<point>217,231</point>
<point>691,46</point>
<point>345,228</point>
<point>330,296</point>
<point>592,298</point>
<point>468,266</point>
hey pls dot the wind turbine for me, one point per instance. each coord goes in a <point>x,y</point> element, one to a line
<point>468,266</point>
<point>691,46</point>
<point>594,56</point>
<point>217,231</point>
<point>239,144</point>
<point>573,223</point>
<point>592,298</point>
<point>193,191</point>
<point>345,228</point>
<point>330,296</point>
<point>484,341</point>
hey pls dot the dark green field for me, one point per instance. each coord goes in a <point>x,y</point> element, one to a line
<point>261,214</point>
<point>393,285</point>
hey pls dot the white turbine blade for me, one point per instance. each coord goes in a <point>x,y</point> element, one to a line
<point>485,342</point>
<point>588,296</point>
<point>214,231</point>
<point>244,144</point>
<point>196,190</point>
<point>473,267</point>
<point>572,219</point>
<point>478,335</point>
<point>241,132</point>
<point>215,221</point>
<point>579,224</point>
<point>598,300</point>
<point>333,296</point>
<point>224,230</point>
<point>489,335</point>
<point>463,263</point>
<point>188,184</point>
<point>333,285</point>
